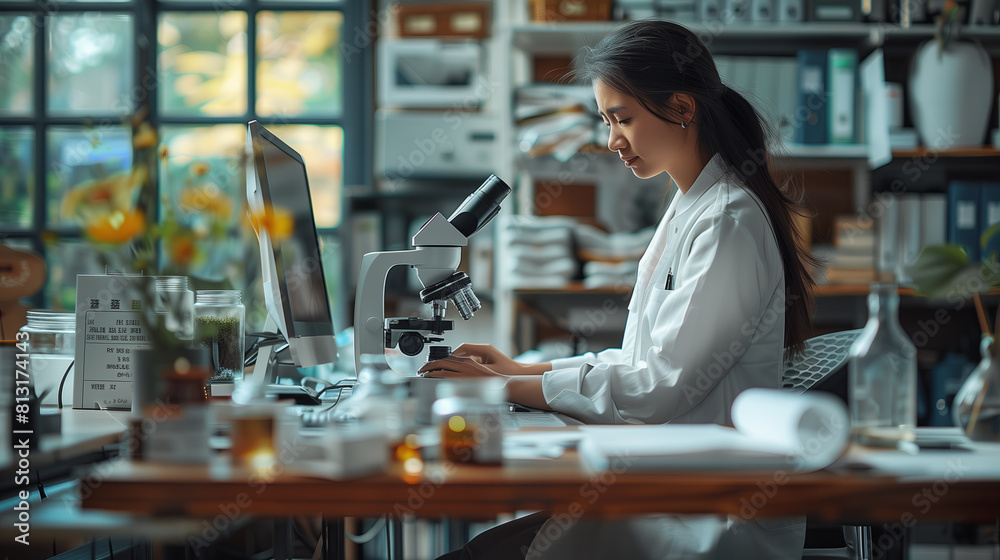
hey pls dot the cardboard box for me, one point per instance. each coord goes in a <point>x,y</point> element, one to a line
<point>570,10</point>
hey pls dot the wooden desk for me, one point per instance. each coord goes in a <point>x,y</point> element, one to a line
<point>563,487</point>
<point>83,431</point>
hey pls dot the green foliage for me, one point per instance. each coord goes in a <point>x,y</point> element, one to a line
<point>944,271</point>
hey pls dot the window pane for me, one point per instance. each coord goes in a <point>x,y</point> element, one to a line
<point>298,63</point>
<point>332,252</point>
<point>322,148</point>
<point>203,191</point>
<point>17,178</point>
<point>89,173</point>
<point>203,63</point>
<point>66,258</point>
<point>90,63</point>
<point>17,57</point>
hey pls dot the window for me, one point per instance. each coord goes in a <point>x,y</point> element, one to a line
<point>77,77</point>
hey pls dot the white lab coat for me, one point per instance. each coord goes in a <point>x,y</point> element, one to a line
<point>686,353</point>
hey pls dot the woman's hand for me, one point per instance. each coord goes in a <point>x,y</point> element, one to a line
<point>524,388</point>
<point>487,355</point>
<point>459,366</point>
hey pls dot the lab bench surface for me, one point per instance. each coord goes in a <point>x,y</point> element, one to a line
<point>845,495</point>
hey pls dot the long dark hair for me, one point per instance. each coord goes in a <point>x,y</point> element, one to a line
<point>651,61</point>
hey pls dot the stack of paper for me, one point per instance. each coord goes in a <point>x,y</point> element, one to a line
<point>539,251</point>
<point>851,260</point>
<point>554,120</point>
<point>610,259</point>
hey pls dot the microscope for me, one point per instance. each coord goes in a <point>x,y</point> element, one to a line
<point>436,254</point>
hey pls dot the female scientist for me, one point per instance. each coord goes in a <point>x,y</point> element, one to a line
<point>722,291</point>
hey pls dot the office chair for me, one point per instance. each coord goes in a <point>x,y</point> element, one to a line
<point>823,355</point>
<point>815,369</point>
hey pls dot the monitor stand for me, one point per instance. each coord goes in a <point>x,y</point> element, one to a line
<point>265,372</point>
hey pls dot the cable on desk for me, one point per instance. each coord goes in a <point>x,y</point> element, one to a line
<point>262,339</point>
<point>41,488</point>
<point>62,382</point>
<point>369,534</point>
<point>347,383</point>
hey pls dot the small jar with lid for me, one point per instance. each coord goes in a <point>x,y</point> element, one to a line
<point>175,306</point>
<point>467,412</point>
<point>219,324</point>
<point>51,339</point>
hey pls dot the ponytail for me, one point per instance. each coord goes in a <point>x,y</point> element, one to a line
<point>741,138</point>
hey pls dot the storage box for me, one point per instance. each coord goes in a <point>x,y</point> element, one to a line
<point>570,10</point>
<point>444,19</point>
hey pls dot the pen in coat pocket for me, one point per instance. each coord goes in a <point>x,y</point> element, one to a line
<point>670,279</point>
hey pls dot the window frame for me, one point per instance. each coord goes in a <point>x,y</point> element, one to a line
<point>354,119</point>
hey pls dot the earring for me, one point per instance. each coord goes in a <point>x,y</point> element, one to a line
<point>684,124</point>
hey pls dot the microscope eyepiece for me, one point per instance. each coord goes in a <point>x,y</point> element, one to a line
<point>480,206</point>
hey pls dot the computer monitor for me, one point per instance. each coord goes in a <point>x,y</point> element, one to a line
<point>291,266</point>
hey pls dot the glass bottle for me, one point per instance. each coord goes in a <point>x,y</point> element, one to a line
<point>51,338</point>
<point>468,415</point>
<point>219,324</point>
<point>882,369</point>
<point>175,305</point>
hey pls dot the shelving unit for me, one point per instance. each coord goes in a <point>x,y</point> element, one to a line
<point>848,162</point>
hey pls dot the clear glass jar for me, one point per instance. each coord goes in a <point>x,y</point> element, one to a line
<point>219,324</point>
<point>976,407</point>
<point>468,415</point>
<point>175,305</point>
<point>882,369</point>
<point>51,351</point>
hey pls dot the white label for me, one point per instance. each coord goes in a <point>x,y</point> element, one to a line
<point>966,214</point>
<point>111,337</point>
<point>992,213</point>
<point>812,80</point>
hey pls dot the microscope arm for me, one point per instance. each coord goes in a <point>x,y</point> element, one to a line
<point>369,309</point>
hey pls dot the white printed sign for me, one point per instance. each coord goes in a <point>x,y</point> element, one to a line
<point>109,329</point>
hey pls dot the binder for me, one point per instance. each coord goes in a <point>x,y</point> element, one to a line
<point>743,74</point>
<point>788,102</point>
<point>767,92</point>
<point>963,217</point>
<point>887,234</point>
<point>989,216</point>
<point>842,66</point>
<point>810,117</point>
<point>934,226</point>
<point>910,238</point>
